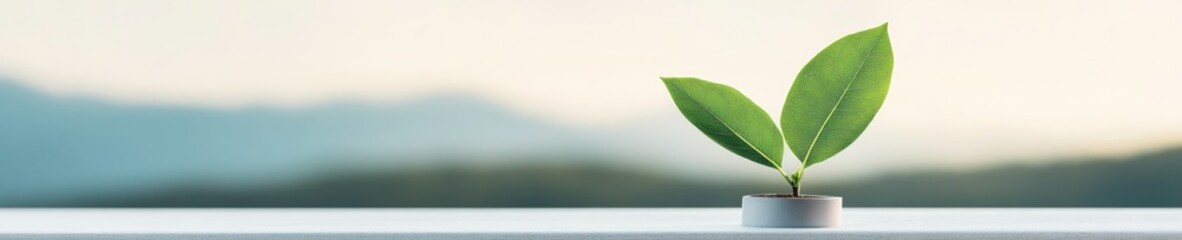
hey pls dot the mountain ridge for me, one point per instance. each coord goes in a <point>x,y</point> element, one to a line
<point>66,147</point>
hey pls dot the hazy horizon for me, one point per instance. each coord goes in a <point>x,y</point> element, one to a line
<point>974,81</point>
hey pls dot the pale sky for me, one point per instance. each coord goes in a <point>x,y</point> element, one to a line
<point>972,79</point>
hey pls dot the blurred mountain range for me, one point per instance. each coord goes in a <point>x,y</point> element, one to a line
<point>62,148</point>
<point>456,150</point>
<point>1146,180</point>
<point>66,147</point>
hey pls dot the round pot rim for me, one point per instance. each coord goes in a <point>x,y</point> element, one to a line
<point>781,196</point>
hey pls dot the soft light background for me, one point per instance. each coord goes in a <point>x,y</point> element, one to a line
<point>977,84</point>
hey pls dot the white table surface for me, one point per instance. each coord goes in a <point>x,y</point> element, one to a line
<point>586,223</point>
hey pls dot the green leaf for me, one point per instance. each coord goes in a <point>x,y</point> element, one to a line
<point>837,94</point>
<point>729,118</point>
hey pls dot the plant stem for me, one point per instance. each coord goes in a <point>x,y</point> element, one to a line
<point>797,177</point>
<point>793,180</point>
<point>787,178</point>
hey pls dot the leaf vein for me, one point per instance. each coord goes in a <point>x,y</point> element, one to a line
<point>729,128</point>
<point>853,79</point>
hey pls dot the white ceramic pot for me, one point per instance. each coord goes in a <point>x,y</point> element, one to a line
<point>781,211</point>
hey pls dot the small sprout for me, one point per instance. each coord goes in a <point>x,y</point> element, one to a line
<point>830,104</point>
